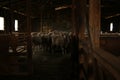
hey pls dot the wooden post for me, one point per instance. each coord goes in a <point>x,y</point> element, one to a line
<point>74,52</point>
<point>11,22</point>
<point>41,21</point>
<point>94,32</point>
<point>73,16</point>
<point>94,22</point>
<point>29,43</point>
<point>79,23</point>
<point>81,15</point>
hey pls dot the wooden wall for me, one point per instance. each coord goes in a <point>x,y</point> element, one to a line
<point>111,44</point>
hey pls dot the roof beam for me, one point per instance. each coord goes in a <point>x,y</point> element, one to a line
<point>15,11</point>
<point>115,15</point>
<point>63,7</point>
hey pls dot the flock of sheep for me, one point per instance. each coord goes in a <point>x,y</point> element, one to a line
<point>52,42</point>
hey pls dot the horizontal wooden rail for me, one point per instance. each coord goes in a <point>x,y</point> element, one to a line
<point>110,62</point>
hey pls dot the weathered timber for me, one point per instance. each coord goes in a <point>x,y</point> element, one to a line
<point>93,35</point>
<point>73,16</point>
<point>29,42</point>
<point>81,17</point>
<point>94,21</point>
<point>109,61</point>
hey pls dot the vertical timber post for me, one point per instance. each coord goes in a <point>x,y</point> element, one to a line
<point>94,22</point>
<point>41,21</point>
<point>29,43</point>
<point>94,31</point>
<point>11,26</point>
<point>75,43</point>
<point>81,10</point>
<point>81,23</point>
<point>73,17</point>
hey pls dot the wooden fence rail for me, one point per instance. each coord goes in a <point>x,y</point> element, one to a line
<point>108,62</point>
